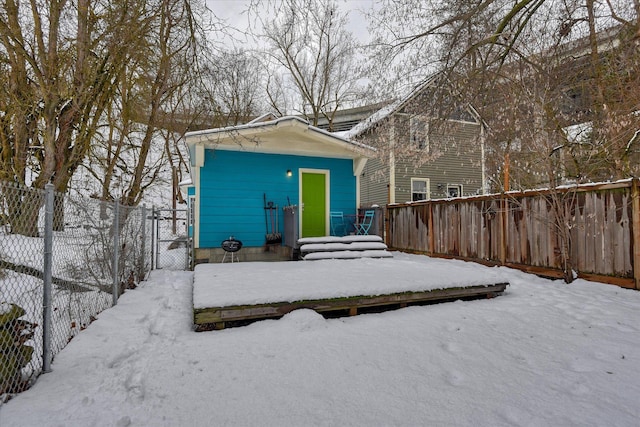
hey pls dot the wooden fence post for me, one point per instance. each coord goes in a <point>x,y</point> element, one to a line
<point>432,238</point>
<point>503,229</point>
<point>386,221</point>
<point>635,212</point>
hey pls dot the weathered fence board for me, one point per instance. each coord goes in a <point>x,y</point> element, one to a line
<point>528,230</point>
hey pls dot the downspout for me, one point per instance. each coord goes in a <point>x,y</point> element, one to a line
<point>485,190</point>
<point>357,192</point>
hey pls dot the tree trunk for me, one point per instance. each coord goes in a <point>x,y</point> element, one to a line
<point>561,208</point>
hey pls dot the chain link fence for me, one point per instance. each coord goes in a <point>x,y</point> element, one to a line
<point>63,260</point>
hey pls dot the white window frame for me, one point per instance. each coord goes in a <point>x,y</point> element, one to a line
<point>457,187</point>
<point>427,193</point>
<point>419,132</point>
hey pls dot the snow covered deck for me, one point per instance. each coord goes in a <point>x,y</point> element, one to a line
<point>234,294</point>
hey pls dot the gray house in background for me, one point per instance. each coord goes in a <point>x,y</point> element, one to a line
<point>346,119</point>
<point>420,157</point>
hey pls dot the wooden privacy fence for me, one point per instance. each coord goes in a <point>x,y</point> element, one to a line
<point>597,226</point>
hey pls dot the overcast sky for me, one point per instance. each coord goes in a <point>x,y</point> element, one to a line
<point>232,12</point>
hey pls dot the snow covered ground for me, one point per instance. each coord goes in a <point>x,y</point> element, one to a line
<point>542,354</point>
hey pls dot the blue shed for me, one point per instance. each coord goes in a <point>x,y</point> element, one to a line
<point>236,171</point>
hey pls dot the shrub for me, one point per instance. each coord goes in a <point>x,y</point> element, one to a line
<point>14,353</point>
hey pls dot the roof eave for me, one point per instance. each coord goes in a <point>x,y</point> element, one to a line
<point>219,137</point>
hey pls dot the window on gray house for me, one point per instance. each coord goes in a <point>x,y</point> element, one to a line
<point>419,132</point>
<point>454,190</point>
<point>419,189</point>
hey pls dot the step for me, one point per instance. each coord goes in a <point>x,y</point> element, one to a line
<point>345,247</point>
<point>314,256</point>
<point>336,239</point>
<point>355,246</point>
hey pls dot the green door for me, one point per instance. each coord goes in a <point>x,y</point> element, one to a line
<point>314,211</point>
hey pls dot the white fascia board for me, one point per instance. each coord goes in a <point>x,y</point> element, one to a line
<point>332,152</point>
<point>262,138</point>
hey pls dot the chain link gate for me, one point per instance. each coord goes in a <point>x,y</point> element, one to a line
<point>172,248</point>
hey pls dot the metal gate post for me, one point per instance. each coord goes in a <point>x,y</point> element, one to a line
<point>156,215</point>
<point>187,245</point>
<point>143,213</point>
<point>153,236</point>
<point>116,244</point>
<point>47,275</point>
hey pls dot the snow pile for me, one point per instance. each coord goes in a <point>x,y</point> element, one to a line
<point>544,353</point>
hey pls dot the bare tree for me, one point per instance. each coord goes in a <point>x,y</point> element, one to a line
<point>168,78</point>
<point>233,85</point>
<point>62,60</point>
<point>155,98</point>
<point>308,39</point>
<point>78,73</point>
<point>535,70</point>
<point>532,68</point>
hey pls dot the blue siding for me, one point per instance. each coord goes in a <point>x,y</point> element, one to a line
<point>232,184</point>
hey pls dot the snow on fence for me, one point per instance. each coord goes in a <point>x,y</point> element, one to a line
<point>58,255</point>
<point>590,231</point>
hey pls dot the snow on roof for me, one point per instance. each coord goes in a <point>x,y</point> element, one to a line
<point>265,117</point>
<point>255,124</point>
<point>372,120</point>
<point>386,111</point>
<point>185,182</point>
<point>251,125</point>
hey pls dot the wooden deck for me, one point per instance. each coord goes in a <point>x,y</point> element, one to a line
<point>223,317</point>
